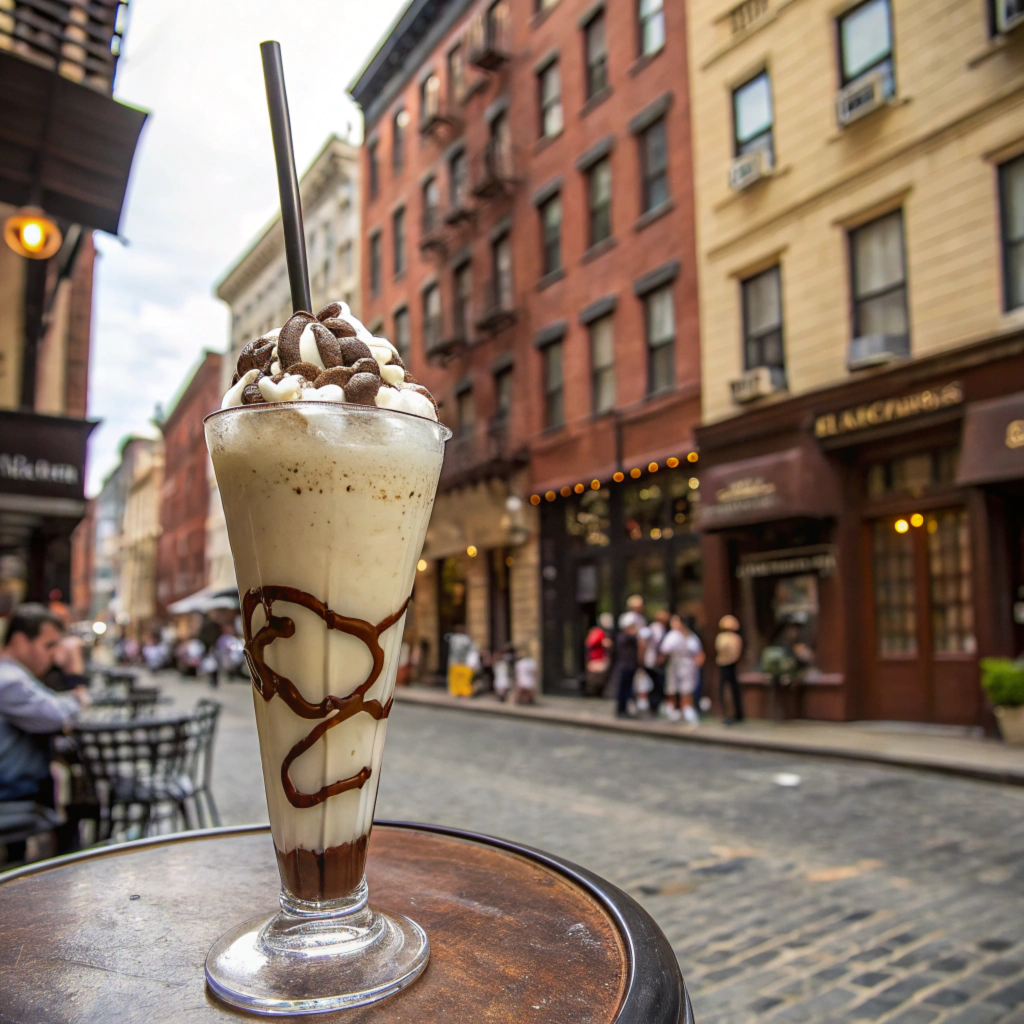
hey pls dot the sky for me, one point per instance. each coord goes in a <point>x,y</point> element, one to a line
<point>203,183</point>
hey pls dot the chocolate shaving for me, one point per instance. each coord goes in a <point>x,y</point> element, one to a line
<point>328,346</point>
<point>353,349</point>
<point>339,328</point>
<point>256,355</point>
<point>251,395</point>
<point>306,370</point>
<point>339,375</point>
<point>331,310</point>
<point>367,365</point>
<point>288,339</point>
<point>395,360</point>
<point>362,389</point>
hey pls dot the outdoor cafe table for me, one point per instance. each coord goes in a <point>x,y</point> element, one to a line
<point>121,933</point>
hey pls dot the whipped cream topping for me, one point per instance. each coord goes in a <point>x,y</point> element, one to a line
<point>330,357</point>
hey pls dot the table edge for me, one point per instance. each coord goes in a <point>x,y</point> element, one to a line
<point>654,992</point>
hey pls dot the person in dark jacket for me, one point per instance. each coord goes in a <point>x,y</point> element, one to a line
<point>627,660</point>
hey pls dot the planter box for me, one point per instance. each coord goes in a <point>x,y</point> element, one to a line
<point>1011,724</point>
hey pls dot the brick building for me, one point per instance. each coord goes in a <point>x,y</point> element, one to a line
<point>860,176</point>
<point>529,245</point>
<point>181,552</point>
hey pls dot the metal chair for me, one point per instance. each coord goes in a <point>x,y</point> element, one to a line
<point>200,730</point>
<point>133,776</point>
<point>23,819</point>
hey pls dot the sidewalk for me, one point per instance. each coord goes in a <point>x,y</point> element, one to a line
<point>935,748</point>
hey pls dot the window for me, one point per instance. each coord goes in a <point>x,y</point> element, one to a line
<point>661,336</point>
<point>1011,195</point>
<point>398,238</point>
<point>554,412</point>
<point>602,365</point>
<point>398,140</point>
<point>465,412</point>
<point>551,234</point>
<point>457,73</point>
<point>501,258</point>
<point>401,336</point>
<point>373,167</point>
<point>912,475</point>
<point>497,26</point>
<point>500,148</point>
<point>879,277</point>
<point>762,320</point>
<point>895,590</point>
<point>431,317</point>
<point>865,43</point>
<point>430,98</point>
<point>752,116</point>
<point>458,180</point>
<point>463,281</point>
<point>597,55</point>
<point>599,194</point>
<point>652,25</point>
<point>375,263</point>
<point>503,394</point>
<point>431,206</point>
<point>949,563</point>
<point>654,165</point>
<point>550,89</point>
<point>346,257</point>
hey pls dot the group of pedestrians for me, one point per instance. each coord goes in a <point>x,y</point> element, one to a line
<point>657,665</point>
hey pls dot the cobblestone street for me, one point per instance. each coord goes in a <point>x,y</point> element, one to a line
<point>793,889</point>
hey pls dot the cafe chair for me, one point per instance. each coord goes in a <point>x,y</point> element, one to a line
<point>23,819</point>
<point>134,776</point>
<point>195,783</point>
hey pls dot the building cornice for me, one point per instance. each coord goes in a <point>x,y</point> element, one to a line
<point>414,34</point>
<point>337,160</point>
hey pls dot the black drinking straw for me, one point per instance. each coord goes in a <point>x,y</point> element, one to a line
<point>287,179</point>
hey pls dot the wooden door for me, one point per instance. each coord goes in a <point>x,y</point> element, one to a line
<point>920,609</point>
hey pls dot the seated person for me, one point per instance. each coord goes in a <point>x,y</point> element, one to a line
<point>28,709</point>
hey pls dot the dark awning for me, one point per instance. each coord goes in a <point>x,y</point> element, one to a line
<point>75,143</point>
<point>992,448</point>
<point>794,482</point>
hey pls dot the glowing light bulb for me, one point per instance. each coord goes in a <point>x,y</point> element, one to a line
<point>902,526</point>
<point>635,474</point>
<point>534,499</point>
<point>917,519</point>
<point>692,457</point>
<point>672,462</point>
<point>421,564</point>
<point>471,551</point>
<point>618,477</point>
<point>32,235</point>
<point>595,485</point>
<point>579,488</point>
<point>694,483</point>
<point>652,467</point>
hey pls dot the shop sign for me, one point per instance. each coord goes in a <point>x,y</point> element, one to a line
<point>821,560</point>
<point>888,410</point>
<point>19,467</point>
<point>748,494</point>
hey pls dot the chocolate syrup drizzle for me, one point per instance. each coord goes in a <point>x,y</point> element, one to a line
<point>268,682</point>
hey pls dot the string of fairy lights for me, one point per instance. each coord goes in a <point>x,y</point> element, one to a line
<point>619,477</point>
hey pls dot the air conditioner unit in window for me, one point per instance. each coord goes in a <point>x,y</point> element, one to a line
<point>876,349</point>
<point>758,383</point>
<point>860,98</point>
<point>1009,14</point>
<point>750,167</point>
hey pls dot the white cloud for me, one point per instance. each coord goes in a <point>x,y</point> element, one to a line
<point>203,182</point>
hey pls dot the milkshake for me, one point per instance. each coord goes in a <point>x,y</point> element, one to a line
<point>327,454</point>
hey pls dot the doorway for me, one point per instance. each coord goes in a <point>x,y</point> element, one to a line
<point>920,609</point>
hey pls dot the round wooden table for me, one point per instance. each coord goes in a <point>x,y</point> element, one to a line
<point>121,933</point>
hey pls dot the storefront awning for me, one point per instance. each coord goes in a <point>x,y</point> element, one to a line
<point>64,146</point>
<point>992,448</point>
<point>782,485</point>
<point>206,600</point>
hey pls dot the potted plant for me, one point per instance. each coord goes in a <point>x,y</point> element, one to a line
<point>1003,681</point>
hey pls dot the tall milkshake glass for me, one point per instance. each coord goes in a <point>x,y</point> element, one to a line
<point>327,507</point>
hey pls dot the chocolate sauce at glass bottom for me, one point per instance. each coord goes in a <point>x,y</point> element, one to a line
<point>316,877</point>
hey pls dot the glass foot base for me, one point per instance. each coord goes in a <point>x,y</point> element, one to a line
<point>286,964</point>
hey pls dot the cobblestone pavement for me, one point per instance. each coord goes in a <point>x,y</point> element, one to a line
<point>792,889</point>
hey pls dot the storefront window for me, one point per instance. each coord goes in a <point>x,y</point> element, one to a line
<point>895,598</point>
<point>657,507</point>
<point>689,583</point>
<point>587,519</point>
<point>949,563</point>
<point>912,474</point>
<point>646,575</point>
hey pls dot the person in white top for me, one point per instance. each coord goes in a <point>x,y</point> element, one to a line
<point>526,681</point>
<point>684,655</point>
<point>651,637</point>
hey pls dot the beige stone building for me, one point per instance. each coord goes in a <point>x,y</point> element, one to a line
<point>257,291</point>
<point>139,539</point>
<point>859,172</point>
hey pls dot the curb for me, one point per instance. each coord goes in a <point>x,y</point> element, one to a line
<point>665,731</point>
